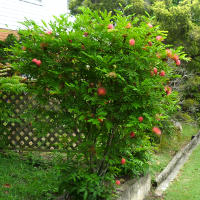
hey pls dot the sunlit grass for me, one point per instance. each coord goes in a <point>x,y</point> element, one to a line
<point>22,180</point>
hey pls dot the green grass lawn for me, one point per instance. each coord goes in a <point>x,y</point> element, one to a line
<point>187,184</point>
<point>25,179</point>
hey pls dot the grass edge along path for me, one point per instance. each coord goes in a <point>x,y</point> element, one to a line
<point>186,185</point>
<point>169,147</point>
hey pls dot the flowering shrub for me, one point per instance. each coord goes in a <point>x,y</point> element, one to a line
<point>110,77</point>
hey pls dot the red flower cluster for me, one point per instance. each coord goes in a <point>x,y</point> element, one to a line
<point>156,130</point>
<point>168,90</point>
<point>37,62</point>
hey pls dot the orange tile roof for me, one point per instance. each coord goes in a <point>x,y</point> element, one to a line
<point>5,32</point>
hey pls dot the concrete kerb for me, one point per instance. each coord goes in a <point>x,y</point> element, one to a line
<point>139,189</point>
<point>135,189</point>
<point>170,172</point>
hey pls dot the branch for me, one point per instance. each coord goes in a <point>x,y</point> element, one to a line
<point>109,142</point>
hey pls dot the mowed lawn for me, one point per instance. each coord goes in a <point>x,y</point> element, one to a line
<point>24,180</point>
<point>187,185</point>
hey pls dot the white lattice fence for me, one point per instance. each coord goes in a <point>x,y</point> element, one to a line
<point>23,135</point>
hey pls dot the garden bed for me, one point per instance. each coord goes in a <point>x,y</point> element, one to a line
<point>110,75</point>
<point>34,175</point>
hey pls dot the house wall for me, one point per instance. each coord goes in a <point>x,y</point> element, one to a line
<point>14,11</point>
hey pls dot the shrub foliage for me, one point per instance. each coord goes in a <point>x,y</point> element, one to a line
<point>109,74</point>
<point>181,18</point>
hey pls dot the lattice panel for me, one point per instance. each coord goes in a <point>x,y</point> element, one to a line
<point>23,135</point>
<point>5,70</point>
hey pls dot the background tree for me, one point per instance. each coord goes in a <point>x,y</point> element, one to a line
<point>138,6</point>
<point>181,20</point>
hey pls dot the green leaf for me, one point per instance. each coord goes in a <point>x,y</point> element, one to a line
<point>109,125</point>
<point>85,195</point>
